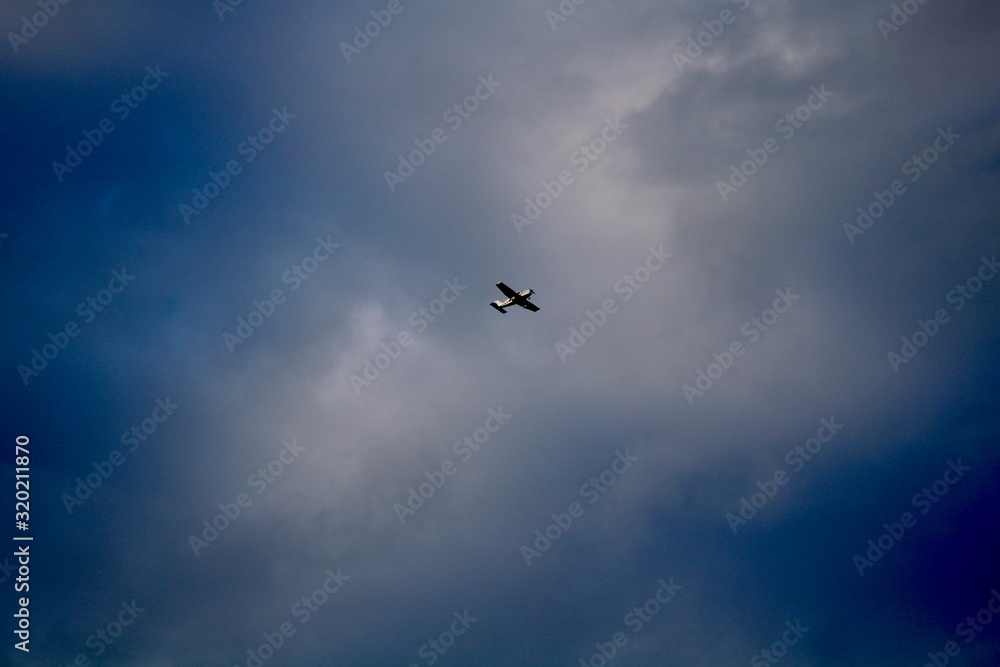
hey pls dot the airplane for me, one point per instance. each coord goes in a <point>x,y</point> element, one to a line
<point>514,299</point>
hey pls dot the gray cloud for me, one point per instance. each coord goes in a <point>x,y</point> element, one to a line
<point>654,184</point>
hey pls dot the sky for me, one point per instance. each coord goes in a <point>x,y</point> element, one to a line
<point>263,414</point>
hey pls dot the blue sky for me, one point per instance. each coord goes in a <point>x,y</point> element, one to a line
<point>248,253</point>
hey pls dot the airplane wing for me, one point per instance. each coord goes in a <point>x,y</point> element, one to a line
<point>508,292</point>
<point>530,306</point>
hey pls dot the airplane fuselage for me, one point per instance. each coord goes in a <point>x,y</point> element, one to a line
<point>517,299</point>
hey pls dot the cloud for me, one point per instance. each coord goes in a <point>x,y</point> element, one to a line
<point>645,144</point>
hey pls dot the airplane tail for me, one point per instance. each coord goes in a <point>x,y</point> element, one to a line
<point>496,304</point>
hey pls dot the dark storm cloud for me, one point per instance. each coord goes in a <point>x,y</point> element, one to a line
<point>646,137</point>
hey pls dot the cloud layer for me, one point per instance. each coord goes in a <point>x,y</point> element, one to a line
<point>762,235</point>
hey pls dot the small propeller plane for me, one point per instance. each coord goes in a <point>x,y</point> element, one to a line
<point>514,299</point>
